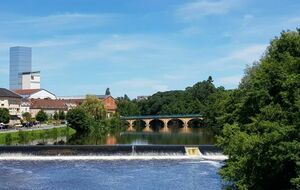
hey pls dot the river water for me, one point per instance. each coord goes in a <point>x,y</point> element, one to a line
<point>185,174</point>
<point>149,171</point>
<point>196,137</point>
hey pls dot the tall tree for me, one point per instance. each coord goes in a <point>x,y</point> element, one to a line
<point>94,107</point>
<point>61,115</point>
<point>4,115</point>
<point>263,144</point>
<point>55,116</point>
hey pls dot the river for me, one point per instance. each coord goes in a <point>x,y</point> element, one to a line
<point>110,174</point>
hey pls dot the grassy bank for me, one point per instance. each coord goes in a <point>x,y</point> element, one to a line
<point>23,137</point>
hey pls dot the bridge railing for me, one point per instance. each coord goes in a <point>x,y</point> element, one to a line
<point>161,116</point>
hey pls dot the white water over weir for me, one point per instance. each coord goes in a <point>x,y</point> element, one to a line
<point>115,152</point>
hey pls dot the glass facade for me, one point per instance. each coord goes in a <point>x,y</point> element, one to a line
<point>20,61</point>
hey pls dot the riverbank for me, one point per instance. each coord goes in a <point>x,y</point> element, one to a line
<point>26,135</point>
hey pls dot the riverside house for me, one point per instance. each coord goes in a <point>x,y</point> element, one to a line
<point>12,102</point>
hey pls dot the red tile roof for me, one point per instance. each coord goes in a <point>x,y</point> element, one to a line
<point>27,91</point>
<point>48,104</point>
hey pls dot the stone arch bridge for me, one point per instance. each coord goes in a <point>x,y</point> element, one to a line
<point>165,119</point>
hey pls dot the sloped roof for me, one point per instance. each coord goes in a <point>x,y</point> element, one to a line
<point>48,104</point>
<point>7,93</point>
<point>102,96</point>
<point>27,91</point>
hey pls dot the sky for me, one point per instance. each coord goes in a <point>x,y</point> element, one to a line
<point>139,47</point>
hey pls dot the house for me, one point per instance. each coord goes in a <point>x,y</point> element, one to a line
<point>49,106</point>
<point>109,102</point>
<point>12,102</point>
<point>35,94</point>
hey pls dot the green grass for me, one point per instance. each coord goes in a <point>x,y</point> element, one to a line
<point>23,137</point>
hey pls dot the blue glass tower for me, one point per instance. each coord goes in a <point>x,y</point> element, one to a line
<point>20,62</point>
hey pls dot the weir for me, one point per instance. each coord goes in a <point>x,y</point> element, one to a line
<point>110,152</point>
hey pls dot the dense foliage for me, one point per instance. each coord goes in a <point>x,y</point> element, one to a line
<point>262,137</point>
<point>202,98</point>
<point>78,119</point>
<point>41,116</point>
<point>90,119</point>
<point>61,115</point>
<point>4,115</point>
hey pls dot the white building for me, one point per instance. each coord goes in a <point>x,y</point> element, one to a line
<point>31,80</point>
<point>10,101</point>
<point>35,94</point>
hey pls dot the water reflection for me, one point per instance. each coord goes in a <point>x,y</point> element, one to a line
<point>194,136</point>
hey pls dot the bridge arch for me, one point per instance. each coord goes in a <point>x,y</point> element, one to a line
<point>156,125</point>
<point>139,125</point>
<point>196,123</point>
<point>175,124</point>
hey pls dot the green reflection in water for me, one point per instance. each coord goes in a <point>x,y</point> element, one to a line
<point>195,136</point>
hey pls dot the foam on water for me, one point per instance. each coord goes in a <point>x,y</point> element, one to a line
<point>214,156</point>
<point>145,156</point>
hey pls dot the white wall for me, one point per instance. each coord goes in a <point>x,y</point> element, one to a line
<point>42,94</point>
<point>31,81</point>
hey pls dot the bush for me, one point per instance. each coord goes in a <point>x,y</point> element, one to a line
<point>8,139</point>
<point>41,116</point>
<point>79,120</point>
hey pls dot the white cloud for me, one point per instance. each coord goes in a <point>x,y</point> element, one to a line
<point>201,8</point>
<point>58,22</point>
<point>137,83</point>
<point>249,54</point>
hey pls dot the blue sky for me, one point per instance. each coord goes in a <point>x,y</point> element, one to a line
<point>139,47</point>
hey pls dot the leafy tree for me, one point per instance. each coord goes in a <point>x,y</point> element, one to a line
<point>79,120</point>
<point>55,116</point>
<point>125,107</point>
<point>94,107</point>
<point>263,137</point>
<point>41,116</point>
<point>27,116</point>
<point>4,115</point>
<point>107,92</point>
<point>62,115</point>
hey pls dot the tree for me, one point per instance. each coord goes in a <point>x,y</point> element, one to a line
<point>41,116</point>
<point>27,116</point>
<point>263,139</point>
<point>55,116</point>
<point>62,115</point>
<point>107,92</point>
<point>79,120</point>
<point>4,115</point>
<point>125,107</point>
<point>94,107</point>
